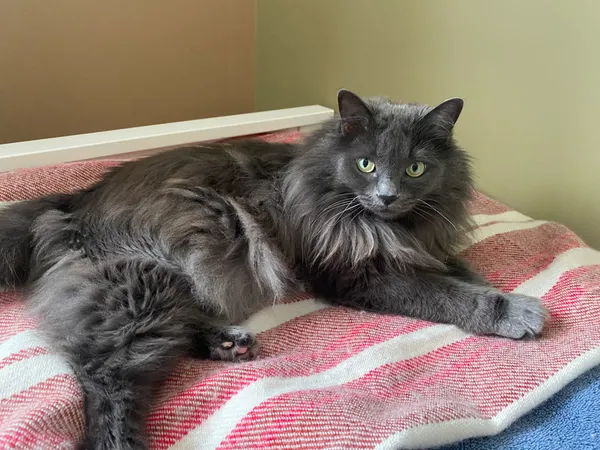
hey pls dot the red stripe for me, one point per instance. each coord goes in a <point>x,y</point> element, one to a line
<point>14,319</point>
<point>43,417</point>
<point>34,182</point>
<point>22,355</point>
<point>520,255</point>
<point>482,204</point>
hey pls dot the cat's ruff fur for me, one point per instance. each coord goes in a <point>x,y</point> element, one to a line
<point>163,256</point>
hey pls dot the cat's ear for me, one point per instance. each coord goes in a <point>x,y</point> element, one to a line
<point>355,115</point>
<point>445,114</point>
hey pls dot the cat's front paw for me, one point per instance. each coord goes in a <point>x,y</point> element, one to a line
<point>519,316</point>
<point>234,344</point>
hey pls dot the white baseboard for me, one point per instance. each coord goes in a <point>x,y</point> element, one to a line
<point>129,140</point>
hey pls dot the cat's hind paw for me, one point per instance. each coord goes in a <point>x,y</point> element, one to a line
<point>234,344</point>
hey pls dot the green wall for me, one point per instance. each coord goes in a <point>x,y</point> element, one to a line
<point>529,72</point>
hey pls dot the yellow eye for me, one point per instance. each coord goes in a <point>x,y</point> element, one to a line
<point>365,165</point>
<point>416,169</point>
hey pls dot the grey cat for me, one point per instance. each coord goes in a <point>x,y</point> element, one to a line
<point>163,256</point>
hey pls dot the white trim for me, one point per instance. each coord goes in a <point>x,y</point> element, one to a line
<point>128,140</point>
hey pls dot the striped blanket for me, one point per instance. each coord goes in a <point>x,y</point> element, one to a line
<point>331,377</point>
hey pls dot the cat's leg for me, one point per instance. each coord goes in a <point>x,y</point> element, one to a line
<point>475,308</point>
<point>122,326</point>
<point>226,343</point>
<point>460,269</point>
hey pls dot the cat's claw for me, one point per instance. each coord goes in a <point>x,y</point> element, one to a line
<point>237,344</point>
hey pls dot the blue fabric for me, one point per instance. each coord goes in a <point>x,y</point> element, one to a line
<point>568,420</point>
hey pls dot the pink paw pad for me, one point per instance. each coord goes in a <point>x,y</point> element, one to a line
<point>238,350</point>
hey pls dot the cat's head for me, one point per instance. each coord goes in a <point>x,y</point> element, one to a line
<point>392,158</point>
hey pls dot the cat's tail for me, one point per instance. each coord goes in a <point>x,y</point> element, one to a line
<point>16,236</point>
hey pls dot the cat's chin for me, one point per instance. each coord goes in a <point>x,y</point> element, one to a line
<point>389,214</point>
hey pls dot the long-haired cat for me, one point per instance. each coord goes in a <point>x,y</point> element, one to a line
<point>166,254</point>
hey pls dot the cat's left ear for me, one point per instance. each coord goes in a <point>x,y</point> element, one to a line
<point>354,114</point>
<point>445,114</point>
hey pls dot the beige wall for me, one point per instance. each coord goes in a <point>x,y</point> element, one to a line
<point>73,66</point>
<point>529,72</point>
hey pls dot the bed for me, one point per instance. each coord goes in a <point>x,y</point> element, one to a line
<point>331,377</point>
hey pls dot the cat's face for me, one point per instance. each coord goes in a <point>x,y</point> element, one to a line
<point>395,159</point>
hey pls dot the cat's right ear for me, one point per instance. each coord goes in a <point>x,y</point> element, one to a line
<point>354,114</point>
<point>445,114</point>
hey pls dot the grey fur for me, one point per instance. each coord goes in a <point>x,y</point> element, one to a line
<point>163,256</point>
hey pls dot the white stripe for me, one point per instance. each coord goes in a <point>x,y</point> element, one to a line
<point>276,315</point>
<point>216,427</point>
<point>21,341</point>
<point>25,374</point>
<point>495,229</point>
<point>508,216</point>
<point>213,430</point>
<point>437,434</point>
<point>569,260</point>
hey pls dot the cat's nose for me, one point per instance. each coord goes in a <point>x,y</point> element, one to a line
<point>387,199</point>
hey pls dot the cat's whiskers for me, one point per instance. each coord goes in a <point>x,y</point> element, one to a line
<point>357,213</point>
<point>338,197</point>
<point>439,212</point>
<point>312,203</point>
<point>340,215</point>
<point>445,209</point>
<point>323,215</point>
<point>349,204</point>
<point>339,201</point>
<point>421,214</point>
<point>338,204</point>
<point>355,209</point>
<point>332,222</point>
<point>344,202</point>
